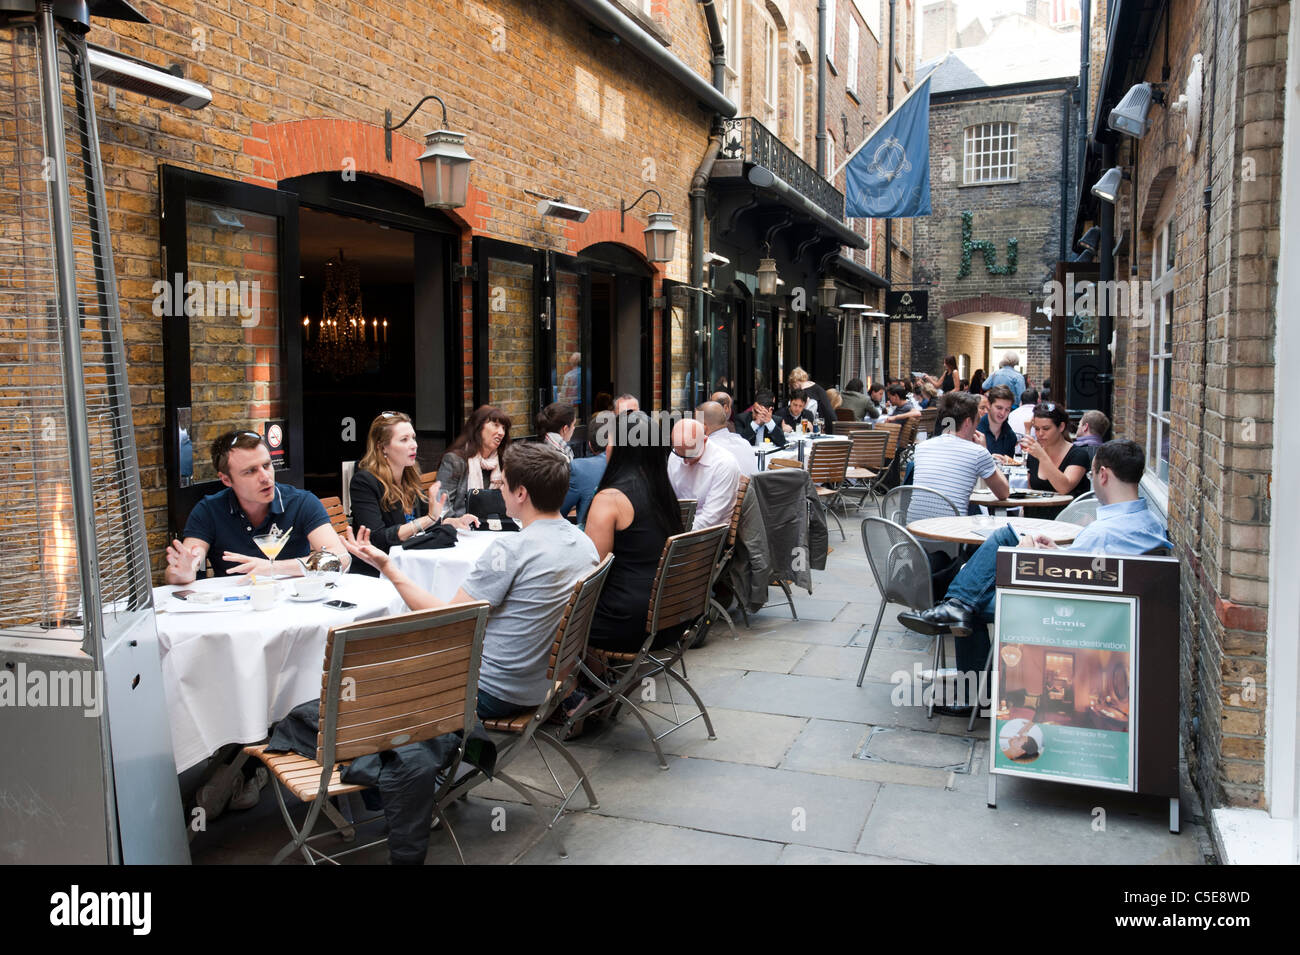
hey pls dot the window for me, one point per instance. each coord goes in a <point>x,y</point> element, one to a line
<point>729,11</point>
<point>830,157</point>
<point>796,111</point>
<point>770,76</point>
<point>830,30</point>
<point>851,78</point>
<point>990,153</point>
<point>870,11</point>
<point>1160,364</point>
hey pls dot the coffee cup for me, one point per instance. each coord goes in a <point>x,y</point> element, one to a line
<point>264,594</point>
<point>309,588</point>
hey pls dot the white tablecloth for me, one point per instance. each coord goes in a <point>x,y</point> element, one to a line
<point>441,571</point>
<point>228,676</point>
<point>791,449</point>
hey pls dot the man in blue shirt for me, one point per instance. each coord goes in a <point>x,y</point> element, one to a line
<point>222,525</point>
<point>1124,526</point>
<point>999,437</point>
<point>585,473</point>
<point>1007,375</point>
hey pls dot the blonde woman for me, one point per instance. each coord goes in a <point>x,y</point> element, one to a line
<point>386,493</point>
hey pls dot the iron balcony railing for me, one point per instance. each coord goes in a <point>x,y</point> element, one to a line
<point>746,138</point>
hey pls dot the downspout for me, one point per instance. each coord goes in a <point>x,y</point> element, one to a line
<point>821,88</point>
<point>1105,276</point>
<point>1085,78</point>
<point>1065,172</point>
<point>699,192</point>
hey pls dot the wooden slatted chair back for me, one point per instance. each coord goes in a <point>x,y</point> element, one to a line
<point>891,431</point>
<point>680,592</point>
<point>575,625</point>
<point>828,461</point>
<point>849,428</point>
<point>844,414</point>
<point>338,519</point>
<point>928,420</point>
<point>868,450</point>
<point>427,480</point>
<point>907,432</point>
<point>687,506</point>
<point>399,680</point>
<point>734,526</point>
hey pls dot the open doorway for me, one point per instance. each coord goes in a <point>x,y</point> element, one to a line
<point>620,359</point>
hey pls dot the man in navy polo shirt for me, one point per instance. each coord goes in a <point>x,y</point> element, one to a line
<point>222,525</point>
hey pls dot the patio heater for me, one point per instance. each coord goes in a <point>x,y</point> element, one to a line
<point>85,751</point>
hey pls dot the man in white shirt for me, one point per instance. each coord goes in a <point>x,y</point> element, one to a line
<point>702,470</point>
<point>1020,418</point>
<point>714,418</point>
<point>953,462</point>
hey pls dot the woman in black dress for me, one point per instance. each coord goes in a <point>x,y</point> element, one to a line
<point>951,381</point>
<point>385,489</point>
<point>1055,464</point>
<point>634,511</point>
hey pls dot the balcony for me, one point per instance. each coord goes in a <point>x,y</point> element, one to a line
<point>745,138</point>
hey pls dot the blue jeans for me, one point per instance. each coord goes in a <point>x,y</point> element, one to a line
<point>493,708</point>
<point>976,586</point>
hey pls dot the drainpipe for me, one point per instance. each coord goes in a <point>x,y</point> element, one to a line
<point>1065,172</point>
<point>889,223</point>
<point>1085,76</point>
<point>1106,275</point>
<point>821,88</point>
<point>699,192</point>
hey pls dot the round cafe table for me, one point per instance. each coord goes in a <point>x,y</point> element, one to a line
<point>442,570</point>
<point>975,529</point>
<point>229,671</point>
<point>987,499</point>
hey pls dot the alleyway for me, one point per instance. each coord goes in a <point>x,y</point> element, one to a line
<point>781,782</point>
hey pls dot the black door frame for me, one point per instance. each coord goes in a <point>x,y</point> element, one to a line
<point>176,186</point>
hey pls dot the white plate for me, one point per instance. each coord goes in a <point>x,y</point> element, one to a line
<point>303,598</point>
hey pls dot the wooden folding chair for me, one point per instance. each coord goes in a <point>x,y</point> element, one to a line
<point>843,414</point>
<point>679,595</point>
<point>338,519</point>
<point>427,480</point>
<point>828,464</point>
<point>891,430</point>
<point>866,463</point>
<point>774,464</point>
<point>724,557</point>
<point>513,734</point>
<point>387,683</point>
<point>687,505</point>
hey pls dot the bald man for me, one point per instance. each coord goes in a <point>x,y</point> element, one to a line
<point>714,418</point>
<point>724,399</point>
<point>702,470</point>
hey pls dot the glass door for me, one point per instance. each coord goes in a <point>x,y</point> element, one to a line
<point>232,345</point>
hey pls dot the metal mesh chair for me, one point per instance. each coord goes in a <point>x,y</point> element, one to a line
<point>679,595</point>
<point>513,734</point>
<point>1081,511</point>
<point>911,502</point>
<point>387,683</point>
<point>902,572</point>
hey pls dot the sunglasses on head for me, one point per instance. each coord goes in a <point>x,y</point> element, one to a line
<point>243,434</point>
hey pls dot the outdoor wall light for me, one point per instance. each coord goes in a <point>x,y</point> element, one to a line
<point>1132,115</point>
<point>712,258</point>
<point>827,293</point>
<point>562,210</point>
<point>444,164</point>
<point>660,234</point>
<point>767,275</point>
<point>1107,187</point>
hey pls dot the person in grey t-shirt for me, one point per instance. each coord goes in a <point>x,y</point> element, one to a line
<point>526,577</point>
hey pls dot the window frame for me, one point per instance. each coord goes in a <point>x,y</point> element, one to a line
<point>851,67</point>
<point>797,116</point>
<point>1160,349</point>
<point>730,13</point>
<point>1000,140</point>
<point>771,75</point>
<point>830,32</point>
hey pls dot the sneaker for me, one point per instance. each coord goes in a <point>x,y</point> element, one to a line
<point>250,794</point>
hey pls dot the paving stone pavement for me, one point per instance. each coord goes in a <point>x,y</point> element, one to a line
<point>781,783</point>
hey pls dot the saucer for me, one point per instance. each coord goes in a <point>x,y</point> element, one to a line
<point>303,598</point>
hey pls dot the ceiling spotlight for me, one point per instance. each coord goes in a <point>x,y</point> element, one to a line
<point>562,210</point>
<point>1132,115</point>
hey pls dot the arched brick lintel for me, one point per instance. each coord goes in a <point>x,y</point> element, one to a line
<point>603,226</point>
<point>284,150</point>
<point>987,303</point>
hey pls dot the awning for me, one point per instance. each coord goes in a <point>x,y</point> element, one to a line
<point>860,273</point>
<point>769,182</point>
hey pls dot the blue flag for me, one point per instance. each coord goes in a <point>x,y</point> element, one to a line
<point>888,176</point>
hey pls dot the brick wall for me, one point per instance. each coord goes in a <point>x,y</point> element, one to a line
<point>1222,396</point>
<point>544,103</point>
<point>967,339</point>
<point>1027,210</point>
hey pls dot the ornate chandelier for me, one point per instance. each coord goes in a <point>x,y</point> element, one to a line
<point>343,342</point>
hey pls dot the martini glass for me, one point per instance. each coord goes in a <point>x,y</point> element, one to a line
<point>271,544</point>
